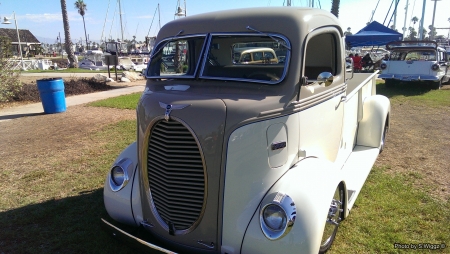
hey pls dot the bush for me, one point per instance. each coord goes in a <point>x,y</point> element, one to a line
<point>9,79</point>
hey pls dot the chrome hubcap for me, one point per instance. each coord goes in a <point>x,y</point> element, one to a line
<point>333,217</point>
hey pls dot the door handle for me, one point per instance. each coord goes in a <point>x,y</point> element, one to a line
<point>343,98</point>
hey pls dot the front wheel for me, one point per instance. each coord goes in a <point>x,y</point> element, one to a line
<point>334,218</point>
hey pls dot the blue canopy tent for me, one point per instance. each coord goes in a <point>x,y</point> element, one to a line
<point>374,34</point>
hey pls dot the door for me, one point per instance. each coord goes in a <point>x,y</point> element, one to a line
<point>322,106</point>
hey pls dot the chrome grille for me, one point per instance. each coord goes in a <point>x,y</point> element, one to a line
<point>175,174</point>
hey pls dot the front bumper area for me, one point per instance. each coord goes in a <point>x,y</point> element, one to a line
<point>133,240</point>
<point>409,77</point>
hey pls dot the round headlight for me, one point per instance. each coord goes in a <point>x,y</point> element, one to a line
<point>277,217</point>
<point>117,175</point>
<point>274,217</point>
<point>383,66</point>
<point>435,67</point>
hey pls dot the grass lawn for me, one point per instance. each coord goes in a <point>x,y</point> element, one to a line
<point>417,93</point>
<point>388,210</point>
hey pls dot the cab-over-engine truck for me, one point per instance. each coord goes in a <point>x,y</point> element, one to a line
<point>246,158</point>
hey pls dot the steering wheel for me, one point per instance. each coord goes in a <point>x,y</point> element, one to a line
<point>263,76</point>
<point>412,58</point>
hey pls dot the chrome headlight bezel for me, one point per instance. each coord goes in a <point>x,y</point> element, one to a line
<point>122,165</point>
<point>287,206</point>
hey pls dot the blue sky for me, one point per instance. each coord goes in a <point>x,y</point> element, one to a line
<point>44,19</point>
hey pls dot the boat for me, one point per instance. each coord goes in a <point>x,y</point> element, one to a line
<point>94,60</point>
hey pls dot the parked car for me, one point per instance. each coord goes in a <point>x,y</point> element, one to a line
<point>247,158</point>
<point>257,55</point>
<point>421,61</point>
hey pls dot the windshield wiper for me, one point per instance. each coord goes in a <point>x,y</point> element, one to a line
<point>273,38</point>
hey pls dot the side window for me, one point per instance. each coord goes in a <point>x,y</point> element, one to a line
<point>320,56</point>
<point>246,57</point>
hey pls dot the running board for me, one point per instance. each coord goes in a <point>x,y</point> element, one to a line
<point>350,195</point>
<point>356,169</point>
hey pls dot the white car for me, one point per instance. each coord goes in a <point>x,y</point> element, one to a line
<point>421,61</point>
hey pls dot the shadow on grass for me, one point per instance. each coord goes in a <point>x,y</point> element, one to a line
<point>406,89</point>
<point>69,225</point>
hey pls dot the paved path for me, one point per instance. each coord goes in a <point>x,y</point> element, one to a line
<point>37,109</point>
<point>64,75</point>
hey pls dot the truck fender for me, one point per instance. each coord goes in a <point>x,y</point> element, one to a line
<point>310,184</point>
<point>124,205</point>
<point>376,109</point>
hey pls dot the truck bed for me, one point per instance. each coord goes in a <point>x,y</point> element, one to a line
<point>358,81</point>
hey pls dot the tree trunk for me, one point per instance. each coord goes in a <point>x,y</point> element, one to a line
<point>335,7</point>
<point>85,34</point>
<point>68,42</point>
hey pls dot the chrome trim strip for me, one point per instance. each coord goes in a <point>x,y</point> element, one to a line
<point>320,97</point>
<point>132,237</point>
<point>309,102</point>
<point>411,77</point>
<point>144,170</point>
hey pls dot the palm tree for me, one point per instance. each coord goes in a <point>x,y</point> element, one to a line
<point>81,6</point>
<point>68,41</point>
<point>414,20</point>
<point>335,7</point>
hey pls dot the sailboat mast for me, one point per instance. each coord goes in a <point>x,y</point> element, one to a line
<point>406,16</point>
<point>159,17</point>
<point>120,13</point>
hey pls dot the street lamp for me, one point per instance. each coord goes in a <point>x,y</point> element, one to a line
<point>60,44</point>
<point>7,22</point>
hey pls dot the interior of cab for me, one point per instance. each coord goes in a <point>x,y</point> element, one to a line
<point>320,56</point>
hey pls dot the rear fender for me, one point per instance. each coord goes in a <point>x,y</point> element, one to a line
<point>311,184</point>
<point>124,205</point>
<point>376,110</point>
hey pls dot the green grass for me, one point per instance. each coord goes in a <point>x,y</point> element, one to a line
<point>58,210</point>
<point>128,101</point>
<point>390,210</point>
<point>417,93</point>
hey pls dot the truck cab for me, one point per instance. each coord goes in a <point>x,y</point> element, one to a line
<point>247,158</point>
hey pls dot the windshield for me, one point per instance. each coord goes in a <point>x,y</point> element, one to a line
<point>178,57</point>
<point>246,57</point>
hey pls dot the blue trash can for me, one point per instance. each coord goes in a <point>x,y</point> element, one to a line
<point>52,95</point>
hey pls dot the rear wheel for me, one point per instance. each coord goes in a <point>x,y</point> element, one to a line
<point>334,218</point>
<point>436,85</point>
<point>383,136</point>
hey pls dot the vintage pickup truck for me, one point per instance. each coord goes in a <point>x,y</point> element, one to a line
<point>246,158</point>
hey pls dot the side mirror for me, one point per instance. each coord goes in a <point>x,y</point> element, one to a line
<point>325,77</point>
